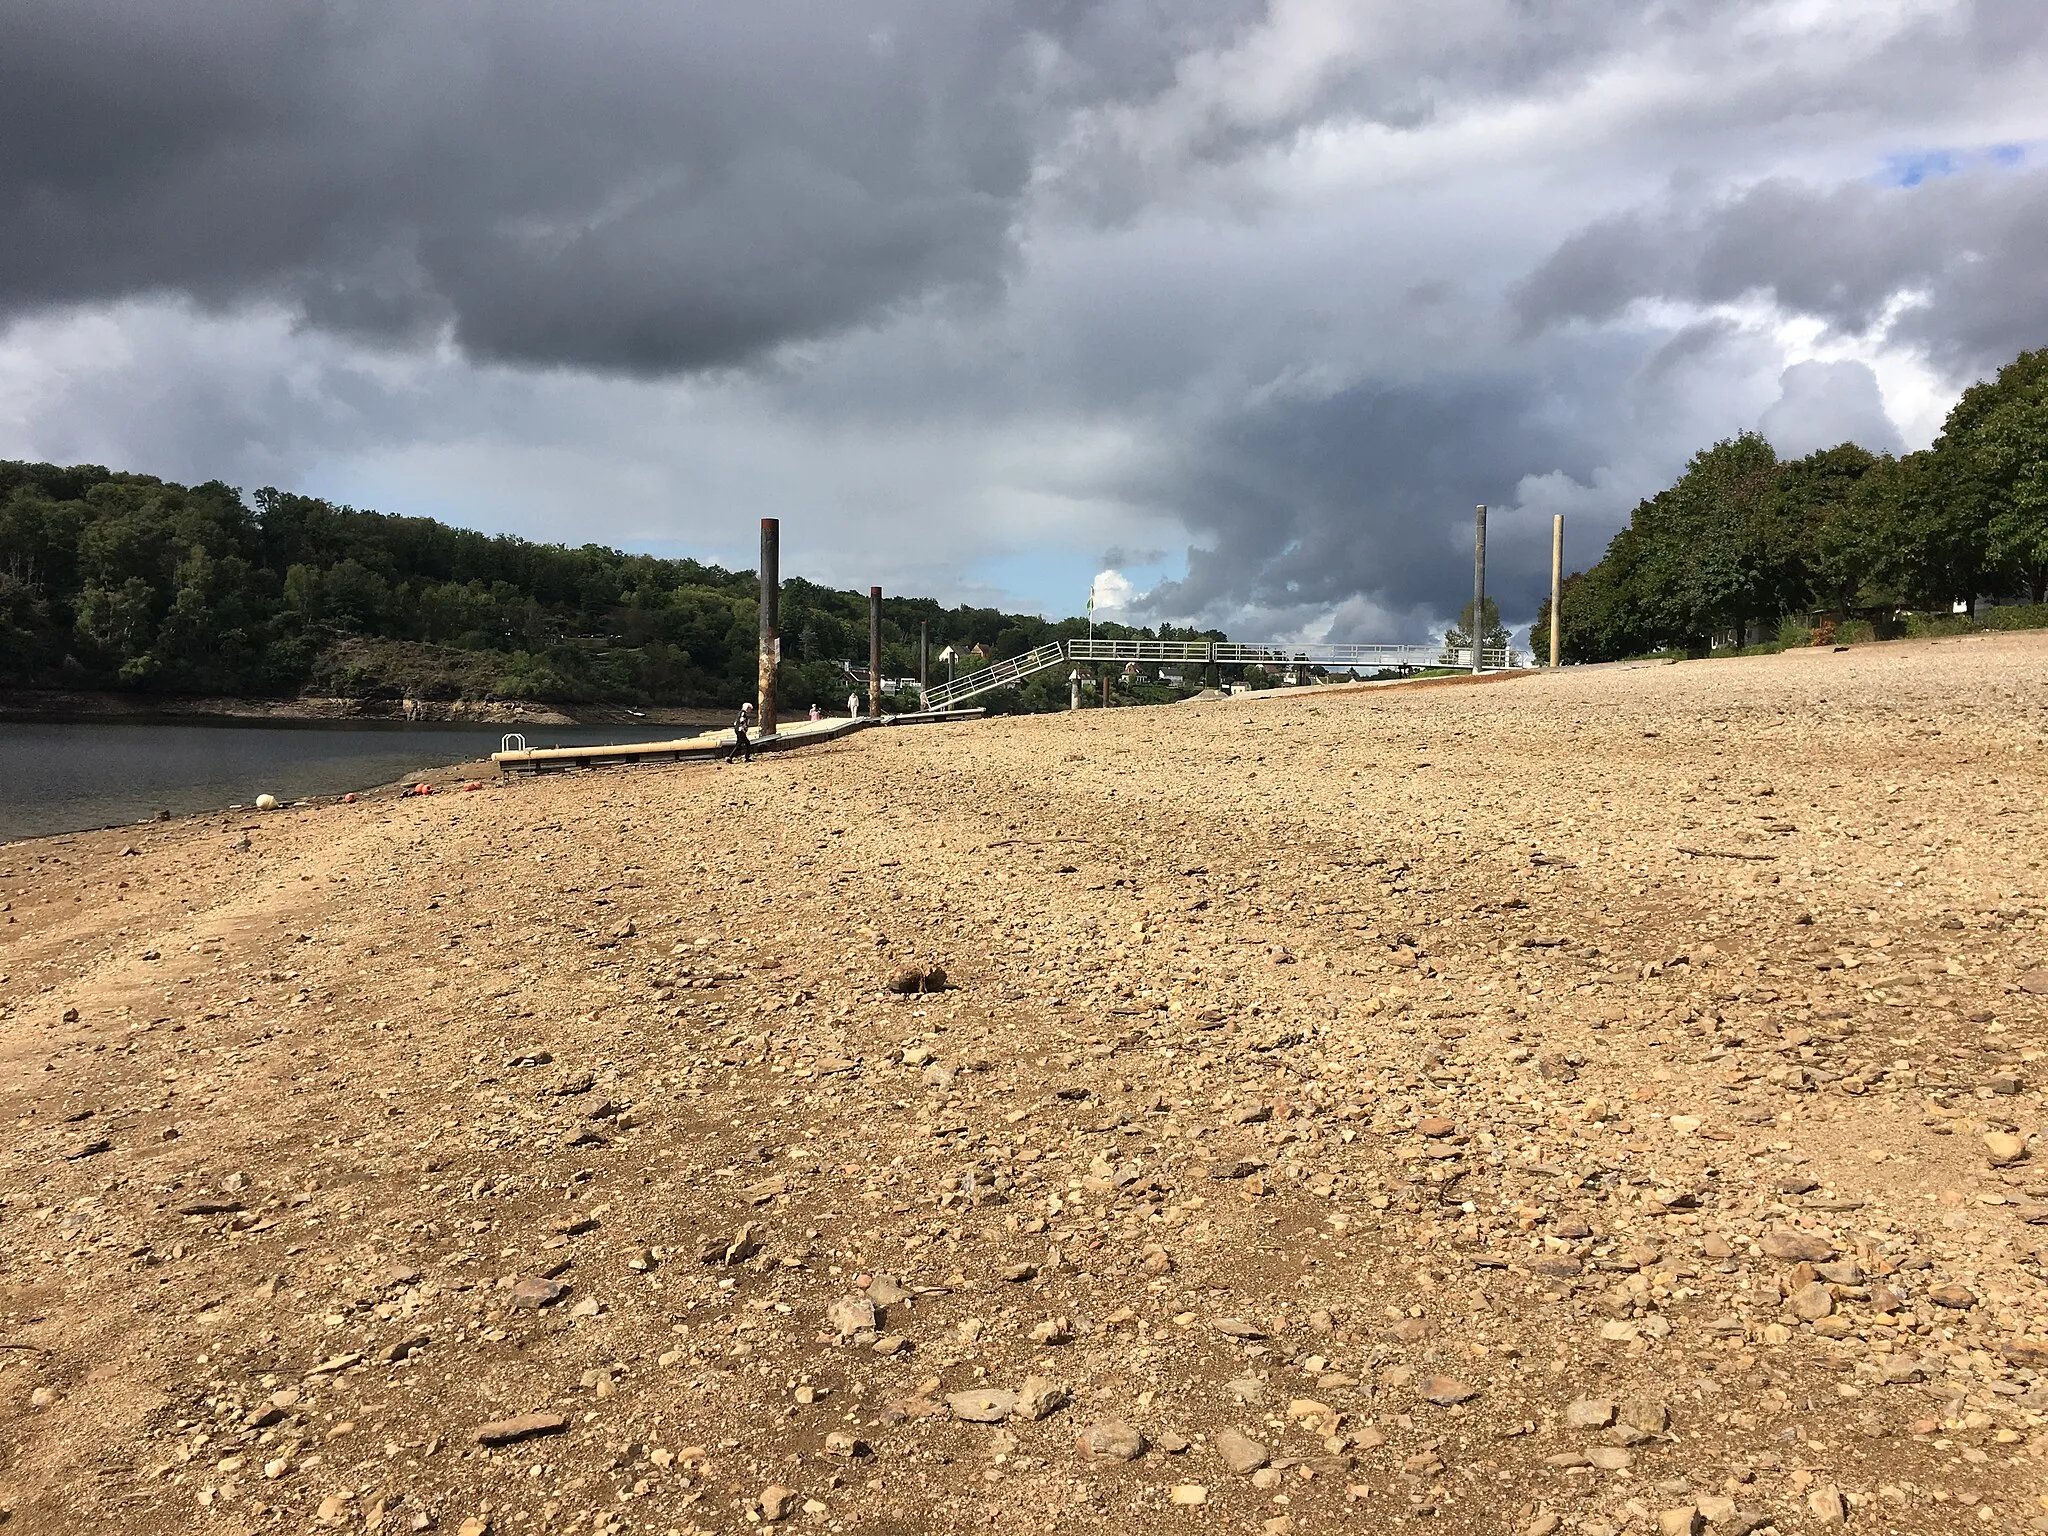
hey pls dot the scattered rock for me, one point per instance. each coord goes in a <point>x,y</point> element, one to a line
<point>917,978</point>
<point>523,1427</point>
<point>1240,1453</point>
<point>1111,1440</point>
<point>1795,1246</point>
<point>1827,1505</point>
<point>1445,1391</point>
<point>1588,1413</point>
<point>533,1293</point>
<point>2003,1148</point>
<point>850,1315</point>
<point>982,1405</point>
<point>737,1249</point>
<point>1811,1302</point>
<point>1039,1398</point>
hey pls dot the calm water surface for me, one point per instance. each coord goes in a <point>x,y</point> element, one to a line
<point>68,777</point>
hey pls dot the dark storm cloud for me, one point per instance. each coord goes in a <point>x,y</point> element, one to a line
<point>1968,252</point>
<point>632,186</point>
<point>1370,492</point>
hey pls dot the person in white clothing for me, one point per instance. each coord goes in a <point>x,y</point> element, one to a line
<point>853,705</point>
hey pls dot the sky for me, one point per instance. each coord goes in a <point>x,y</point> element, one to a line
<point>1230,311</point>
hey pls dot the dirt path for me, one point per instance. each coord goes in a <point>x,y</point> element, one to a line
<point>1570,1105</point>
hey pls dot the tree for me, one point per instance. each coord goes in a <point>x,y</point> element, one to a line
<point>1818,496</point>
<point>1999,432</point>
<point>1459,635</point>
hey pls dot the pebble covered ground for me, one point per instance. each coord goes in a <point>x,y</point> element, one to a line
<point>1586,1102</point>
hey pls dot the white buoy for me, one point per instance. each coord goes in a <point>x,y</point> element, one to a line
<point>266,802</point>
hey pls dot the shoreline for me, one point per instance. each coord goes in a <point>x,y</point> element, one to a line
<point>442,776</point>
<point>140,709</point>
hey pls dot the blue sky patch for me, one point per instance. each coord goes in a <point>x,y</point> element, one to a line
<point>1909,168</point>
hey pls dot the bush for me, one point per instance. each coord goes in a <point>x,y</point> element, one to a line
<point>2019,616</point>
<point>1928,626</point>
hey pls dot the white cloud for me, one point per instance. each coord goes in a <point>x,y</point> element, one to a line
<point>1113,594</point>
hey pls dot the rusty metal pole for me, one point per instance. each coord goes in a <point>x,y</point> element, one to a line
<point>875,652</point>
<point>1556,579</point>
<point>924,654</point>
<point>1479,590</point>
<point>1105,690</point>
<point>771,634</point>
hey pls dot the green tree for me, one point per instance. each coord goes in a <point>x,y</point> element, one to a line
<point>1459,635</point>
<point>2000,431</point>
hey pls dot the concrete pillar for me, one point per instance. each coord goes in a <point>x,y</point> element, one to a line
<point>1479,588</point>
<point>875,652</point>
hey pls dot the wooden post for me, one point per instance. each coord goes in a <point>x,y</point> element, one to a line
<point>771,634</point>
<point>924,654</point>
<point>1556,580</point>
<point>1105,690</point>
<point>875,652</point>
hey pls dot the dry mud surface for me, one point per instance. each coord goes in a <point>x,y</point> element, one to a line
<point>1590,1102</point>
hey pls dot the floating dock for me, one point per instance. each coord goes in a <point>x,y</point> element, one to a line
<point>705,747</point>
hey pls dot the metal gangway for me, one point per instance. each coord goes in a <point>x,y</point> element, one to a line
<point>1294,653</point>
<point>997,674</point>
<point>1285,653</point>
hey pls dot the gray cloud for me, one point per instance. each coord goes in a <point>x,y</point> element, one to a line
<point>1823,404</point>
<point>638,186</point>
<point>1370,491</point>
<point>1968,253</point>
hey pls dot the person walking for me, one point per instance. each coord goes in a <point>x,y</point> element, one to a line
<point>853,705</point>
<point>741,746</point>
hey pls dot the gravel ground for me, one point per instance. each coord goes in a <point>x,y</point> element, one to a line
<point>1589,1102</point>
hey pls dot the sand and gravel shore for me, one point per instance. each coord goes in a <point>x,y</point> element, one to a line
<point>1587,1102</point>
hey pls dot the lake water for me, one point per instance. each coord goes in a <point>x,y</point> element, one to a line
<point>71,776</point>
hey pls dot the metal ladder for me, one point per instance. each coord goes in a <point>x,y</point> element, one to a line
<point>998,674</point>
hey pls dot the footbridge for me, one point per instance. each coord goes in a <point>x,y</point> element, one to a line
<point>1225,653</point>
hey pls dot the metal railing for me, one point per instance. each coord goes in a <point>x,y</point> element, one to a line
<point>1229,653</point>
<point>997,674</point>
<point>1292,653</point>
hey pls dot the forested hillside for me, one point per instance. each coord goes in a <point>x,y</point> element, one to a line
<point>1745,540</point>
<point>125,581</point>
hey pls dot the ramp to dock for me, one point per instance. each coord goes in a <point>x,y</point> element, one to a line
<point>705,747</point>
